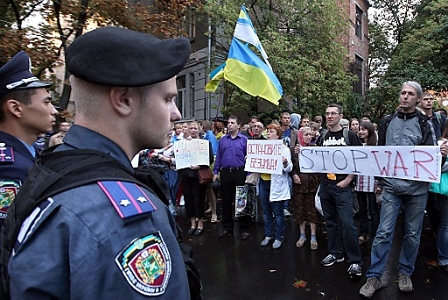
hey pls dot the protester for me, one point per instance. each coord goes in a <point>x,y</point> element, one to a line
<point>354,125</point>
<point>230,161</point>
<point>274,190</point>
<point>193,191</point>
<point>337,198</point>
<point>57,138</point>
<point>109,239</point>
<point>365,188</point>
<point>304,192</point>
<point>406,127</point>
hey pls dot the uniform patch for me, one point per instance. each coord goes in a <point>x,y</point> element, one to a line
<point>146,264</point>
<point>127,198</point>
<point>6,154</point>
<point>8,192</point>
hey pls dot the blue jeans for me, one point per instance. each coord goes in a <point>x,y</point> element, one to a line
<point>442,233</point>
<point>272,212</point>
<point>414,210</point>
<point>337,205</point>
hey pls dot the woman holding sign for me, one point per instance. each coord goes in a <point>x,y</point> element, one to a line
<point>194,192</point>
<point>274,190</point>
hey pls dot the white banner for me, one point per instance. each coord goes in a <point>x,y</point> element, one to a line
<point>191,152</point>
<point>420,163</point>
<point>264,156</point>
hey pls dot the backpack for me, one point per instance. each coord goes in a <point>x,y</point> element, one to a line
<point>422,120</point>
<point>56,172</point>
<point>326,131</point>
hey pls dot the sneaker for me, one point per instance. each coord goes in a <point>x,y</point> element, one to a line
<point>300,242</point>
<point>330,259</point>
<point>286,212</point>
<point>370,287</point>
<point>404,283</point>
<point>277,244</point>
<point>266,241</point>
<point>214,219</point>
<point>314,245</point>
<point>355,270</point>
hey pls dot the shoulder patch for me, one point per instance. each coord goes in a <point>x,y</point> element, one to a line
<point>127,198</point>
<point>8,192</point>
<point>146,264</point>
<point>6,154</point>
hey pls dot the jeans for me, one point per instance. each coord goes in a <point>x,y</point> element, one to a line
<point>272,212</point>
<point>337,205</point>
<point>442,233</point>
<point>414,209</point>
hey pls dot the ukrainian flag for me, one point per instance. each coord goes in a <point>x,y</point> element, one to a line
<point>245,31</point>
<point>248,72</point>
<point>244,68</point>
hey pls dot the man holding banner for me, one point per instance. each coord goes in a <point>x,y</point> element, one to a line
<point>337,199</point>
<point>407,127</point>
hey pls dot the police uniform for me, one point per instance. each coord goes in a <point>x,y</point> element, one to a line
<point>15,157</point>
<point>110,239</point>
<point>93,244</point>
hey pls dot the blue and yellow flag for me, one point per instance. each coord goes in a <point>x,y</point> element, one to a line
<point>244,68</point>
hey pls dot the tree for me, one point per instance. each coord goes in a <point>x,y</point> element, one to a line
<point>62,21</point>
<point>409,43</point>
<point>302,39</point>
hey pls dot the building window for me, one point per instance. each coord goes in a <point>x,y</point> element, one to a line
<point>191,96</point>
<point>358,22</point>
<point>181,91</point>
<point>357,70</point>
<point>189,24</point>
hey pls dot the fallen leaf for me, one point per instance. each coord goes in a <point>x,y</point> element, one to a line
<point>432,263</point>
<point>299,283</point>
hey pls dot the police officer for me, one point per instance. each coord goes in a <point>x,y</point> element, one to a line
<point>109,240</point>
<point>25,112</point>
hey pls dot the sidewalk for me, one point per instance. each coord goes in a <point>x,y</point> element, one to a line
<point>234,269</point>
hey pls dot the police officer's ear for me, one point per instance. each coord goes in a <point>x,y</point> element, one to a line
<point>123,99</point>
<point>14,107</point>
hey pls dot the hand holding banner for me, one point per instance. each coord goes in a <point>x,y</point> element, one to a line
<point>264,156</point>
<point>191,152</point>
<point>420,163</point>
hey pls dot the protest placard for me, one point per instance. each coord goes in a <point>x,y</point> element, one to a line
<point>191,152</point>
<point>264,156</point>
<point>420,163</point>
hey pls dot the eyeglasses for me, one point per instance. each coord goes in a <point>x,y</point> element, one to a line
<point>432,99</point>
<point>332,113</point>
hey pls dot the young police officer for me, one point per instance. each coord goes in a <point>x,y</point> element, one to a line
<point>109,239</point>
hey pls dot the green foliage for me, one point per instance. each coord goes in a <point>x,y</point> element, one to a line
<point>411,41</point>
<point>301,38</point>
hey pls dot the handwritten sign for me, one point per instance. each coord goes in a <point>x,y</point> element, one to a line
<point>191,152</point>
<point>420,163</point>
<point>264,156</point>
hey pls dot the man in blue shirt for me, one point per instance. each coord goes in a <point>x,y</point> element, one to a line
<point>25,112</point>
<point>230,161</point>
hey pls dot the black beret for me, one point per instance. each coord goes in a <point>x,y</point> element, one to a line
<point>115,56</point>
<point>16,75</point>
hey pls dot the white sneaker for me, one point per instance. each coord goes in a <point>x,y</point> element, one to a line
<point>214,219</point>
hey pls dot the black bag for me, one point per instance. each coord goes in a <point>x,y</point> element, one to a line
<point>56,172</point>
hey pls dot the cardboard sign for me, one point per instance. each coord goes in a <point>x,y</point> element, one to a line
<point>191,152</point>
<point>264,156</point>
<point>420,163</point>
